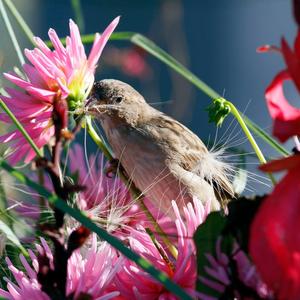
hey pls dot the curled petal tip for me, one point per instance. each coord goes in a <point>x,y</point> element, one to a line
<point>263,49</point>
<point>117,19</point>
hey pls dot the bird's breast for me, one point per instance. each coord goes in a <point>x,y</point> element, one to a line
<point>146,165</point>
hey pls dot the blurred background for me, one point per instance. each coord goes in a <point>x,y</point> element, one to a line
<point>216,40</point>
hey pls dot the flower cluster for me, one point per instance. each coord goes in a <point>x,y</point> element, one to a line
<point>97,270</point>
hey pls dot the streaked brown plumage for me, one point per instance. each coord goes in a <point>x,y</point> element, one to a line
<point>165,160</point>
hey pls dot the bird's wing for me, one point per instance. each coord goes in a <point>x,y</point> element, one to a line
<point>185,147</point>
<point>190,153</point>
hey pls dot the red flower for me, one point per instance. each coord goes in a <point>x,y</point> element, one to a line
<point>274,236</point>
<point>286,117</point>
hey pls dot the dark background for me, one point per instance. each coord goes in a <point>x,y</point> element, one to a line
<point>215,39</point>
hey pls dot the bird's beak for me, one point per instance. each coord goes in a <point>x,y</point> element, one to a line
<point>93,106</point>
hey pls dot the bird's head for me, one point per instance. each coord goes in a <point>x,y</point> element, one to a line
<point>115,99</point>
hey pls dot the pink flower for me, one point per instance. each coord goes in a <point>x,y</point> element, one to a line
<point>107,200</point>
<point>222,280</point>
<point>274,237</point>
<point>134,283</point>
<point>91,271</point>
<point>285,116</point>
<point>64,74</point>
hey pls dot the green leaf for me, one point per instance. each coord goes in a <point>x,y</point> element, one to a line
<point>104,235</point>
<point>4,228</point>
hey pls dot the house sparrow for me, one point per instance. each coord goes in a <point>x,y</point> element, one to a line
<point>164,159</point>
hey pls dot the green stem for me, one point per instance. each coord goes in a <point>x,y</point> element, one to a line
<point>11,33</point>
<point>21,128</point>
<point>98,141</point>
<point>137,195</point>
<point>76,6</point>
<point>103,234</point>
<point>20,20</point>
<point>263,135</point>
<point>249,136</point>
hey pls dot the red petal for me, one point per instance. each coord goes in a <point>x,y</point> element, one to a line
<point>287,163</point>
<point>274,238</point>
<point>292,61</point>
<point>286,117</point>
<point>297,44</point>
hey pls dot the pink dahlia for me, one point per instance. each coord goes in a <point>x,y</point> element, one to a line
<point>134,283</point>
<point>91,272</point>
<point>62,74</point>
<point>106,199</point>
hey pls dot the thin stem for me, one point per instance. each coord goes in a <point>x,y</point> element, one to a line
<point>98,141</point>
<point>11,33</point>
<point>76,6</point>
<point>137,195</point>
<point>248,134</point>
<point>20,20</point>
<point>21,128</point>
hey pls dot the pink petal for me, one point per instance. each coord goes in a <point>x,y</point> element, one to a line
<point>77,46</point>
<point>57,44</point>
<point>100,42</point>
<point>33,76</point>
<point>17,80</point>
<point>42,94</point>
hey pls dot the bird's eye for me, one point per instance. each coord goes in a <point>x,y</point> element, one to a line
<point>118,99</point>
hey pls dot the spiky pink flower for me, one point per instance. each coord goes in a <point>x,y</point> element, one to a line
<point>62,74</point>
<point>221,277</point>
<point>134,283</point>
<point>106,199</point>
<point>91,271</point>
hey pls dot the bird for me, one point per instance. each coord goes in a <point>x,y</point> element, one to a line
<point>165,160</point>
